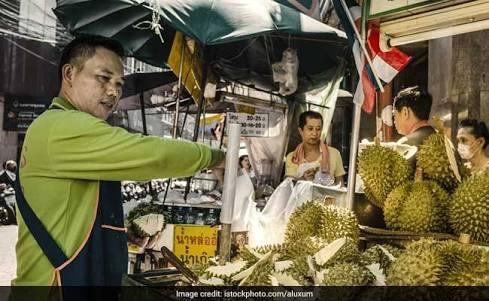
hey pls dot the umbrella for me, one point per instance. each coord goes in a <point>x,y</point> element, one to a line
<point>245,36</point>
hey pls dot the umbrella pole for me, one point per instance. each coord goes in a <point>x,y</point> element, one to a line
<point>199,110</point>
<point>177,106</point>
<point>143,113</point>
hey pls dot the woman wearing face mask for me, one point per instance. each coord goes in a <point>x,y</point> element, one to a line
<point>473,138</point>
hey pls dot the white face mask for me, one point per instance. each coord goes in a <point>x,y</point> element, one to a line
<point>465,151</point>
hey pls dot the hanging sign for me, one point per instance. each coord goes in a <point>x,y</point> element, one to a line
<point>252,125</point>
<point>194,244</point>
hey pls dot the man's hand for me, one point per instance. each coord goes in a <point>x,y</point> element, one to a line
<point>3,186</point>
<point>310,173</point>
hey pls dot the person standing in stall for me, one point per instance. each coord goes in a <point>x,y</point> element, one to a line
<point>71,228</point>
<point>411,112</point>
<point>313,160</point>
<point>473,138</point>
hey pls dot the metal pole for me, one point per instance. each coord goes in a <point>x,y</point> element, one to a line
<point>353,155</point>
<point>229,192</point>
<point>177,106</point>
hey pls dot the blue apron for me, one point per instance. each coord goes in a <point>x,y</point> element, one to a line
<point>103,258</point>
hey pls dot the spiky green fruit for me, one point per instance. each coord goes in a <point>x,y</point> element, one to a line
<point>417,207</point>
<point>382,169</point>
<point>384,255</point>
<point>227,271</point>
<point>419,265</point>
<point>465,265</point>
<point>433,159</point>
<point>337,222</point>
<point>304,221</point>
<point>469,208</point>
<point>327,222</point>
<point>339,251</point>
<point>346,274</point>
<point>260,275</point>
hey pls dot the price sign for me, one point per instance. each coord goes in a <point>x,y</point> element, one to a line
<point>252,125</point>
<point>194,243</point>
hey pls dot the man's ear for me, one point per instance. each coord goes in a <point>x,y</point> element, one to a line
<point>67,73</point>
<point>301,133</point>
<point>406,112</point>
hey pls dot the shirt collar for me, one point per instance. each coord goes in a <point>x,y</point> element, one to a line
<point>61,103</point>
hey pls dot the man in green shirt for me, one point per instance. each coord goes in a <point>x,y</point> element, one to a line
<point>71,229</point>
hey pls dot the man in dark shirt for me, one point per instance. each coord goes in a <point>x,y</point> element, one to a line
<point>411,112</point>
<point>7,176</point>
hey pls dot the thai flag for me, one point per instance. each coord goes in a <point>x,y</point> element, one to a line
<point>387,64</point>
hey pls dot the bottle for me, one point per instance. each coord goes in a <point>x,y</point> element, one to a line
<point>179,217</point>
<point>200,219</point>
<point>211,219</point>
<point>189,217</point>
<point>169,214</point>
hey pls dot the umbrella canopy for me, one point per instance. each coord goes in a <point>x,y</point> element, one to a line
<point>236,31</point>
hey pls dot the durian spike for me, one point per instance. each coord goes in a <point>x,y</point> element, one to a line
<point>418,176</point>
<point>464,238</point>
<point>438,123</point>
<point>377,140</point>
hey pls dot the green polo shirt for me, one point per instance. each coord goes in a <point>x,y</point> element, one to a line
<point>66,153</point>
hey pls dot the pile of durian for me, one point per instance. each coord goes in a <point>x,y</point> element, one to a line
<point>440,197</point>
<point>320,248</point>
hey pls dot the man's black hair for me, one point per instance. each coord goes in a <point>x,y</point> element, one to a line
<point>477,128</point>
<point>309,114</point>
<point>83,47</point>
<point>415,98</point>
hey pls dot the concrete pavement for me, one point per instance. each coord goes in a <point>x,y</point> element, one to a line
<point>8,264</point>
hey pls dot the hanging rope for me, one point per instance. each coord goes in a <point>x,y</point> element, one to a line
<point>154,24</point>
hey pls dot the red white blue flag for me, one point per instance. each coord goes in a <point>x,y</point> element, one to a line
<point>386,64</point>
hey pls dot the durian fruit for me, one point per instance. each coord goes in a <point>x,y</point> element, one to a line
<point>337,222</point>
<point>346,274</point>
<point>148,225</point>
<point>300,270</point>
<point>200,268</point>
<point>382,169</point>
<point>339,251</point>
<point>304,221</point>
<point>466,265</point>
<point>421,264</point>
<point>421,206</point>
<point>302,247</point>
<point>469,208</point>
<point>328,222</point>
<point>262,270</point>
<point>283,279</point>
<point>227,271</point>
<point>249,255</point>
<point>394,204</point>
<point>433,159</point>
<point>383,255</point>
